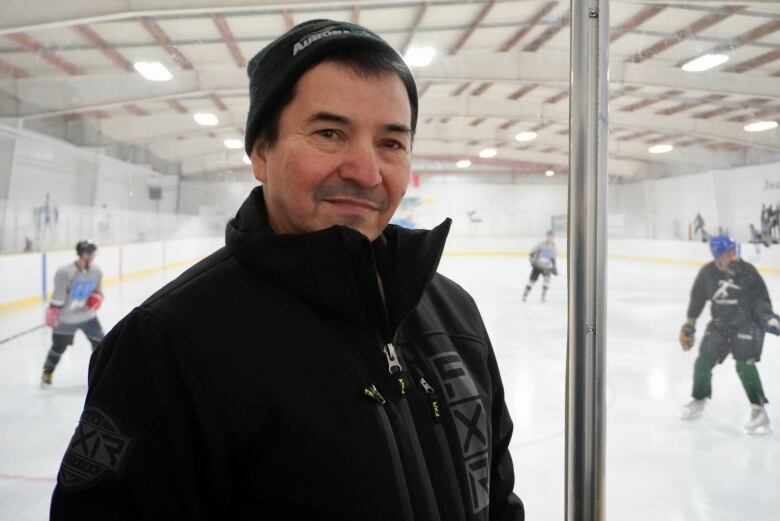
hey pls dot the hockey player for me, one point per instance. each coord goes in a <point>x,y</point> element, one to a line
<point>77,297</point>
<point>741,313</point>
<point>542,260</point>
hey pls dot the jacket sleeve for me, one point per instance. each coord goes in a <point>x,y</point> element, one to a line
<point>505,505</point>
<point>698,294</point>
<point>99,285</point>
<point>761,304</point>
<point>60,293</point>
<point>148,444</point>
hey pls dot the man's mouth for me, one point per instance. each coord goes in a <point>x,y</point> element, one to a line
<point>352,203</point>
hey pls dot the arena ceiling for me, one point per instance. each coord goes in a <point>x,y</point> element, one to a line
<point>500,68</point>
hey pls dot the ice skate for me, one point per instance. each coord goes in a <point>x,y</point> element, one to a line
<point>693,409</point>
<point>759,421</point>
<point>46,379</point>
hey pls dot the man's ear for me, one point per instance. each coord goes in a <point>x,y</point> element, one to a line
<point>259,161</point>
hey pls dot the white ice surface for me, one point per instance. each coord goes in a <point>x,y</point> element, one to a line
<point>658,466</point>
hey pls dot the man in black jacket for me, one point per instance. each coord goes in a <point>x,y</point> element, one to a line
<point>316,367</point>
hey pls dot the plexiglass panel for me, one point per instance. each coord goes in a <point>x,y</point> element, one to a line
<point>694,154</point>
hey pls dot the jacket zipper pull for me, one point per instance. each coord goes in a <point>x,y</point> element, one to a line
<point>431,393</point>
<point>373,393</point>
<point>394,366</point>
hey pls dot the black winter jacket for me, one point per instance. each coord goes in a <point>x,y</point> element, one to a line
<point>271,382</point>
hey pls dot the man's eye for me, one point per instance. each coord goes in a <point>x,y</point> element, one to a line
<point>394,145</point>
<point>327,133</point>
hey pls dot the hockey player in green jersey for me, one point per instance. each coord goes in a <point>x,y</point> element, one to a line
<point>741,313</point>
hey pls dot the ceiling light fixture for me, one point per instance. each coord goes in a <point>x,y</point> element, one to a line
<point>706,62</point>
<point>419,56</point>
<point>549,173</point>
<point>487,153</point>
<point>234,143</point>
<point>463,163</point>
<point>660,149</point>
<point>760,126</point>
<point>207,119</point>
<point>153,71</point>
<point>526,136</point>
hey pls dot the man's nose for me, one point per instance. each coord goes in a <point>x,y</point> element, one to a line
<point>361,165</point>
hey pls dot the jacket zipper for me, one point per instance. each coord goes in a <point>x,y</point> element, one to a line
<point>395,454</point>
<point>396,371</point>
<point>444,446</point>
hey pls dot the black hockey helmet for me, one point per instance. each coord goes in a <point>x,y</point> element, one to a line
<point>85,246</point>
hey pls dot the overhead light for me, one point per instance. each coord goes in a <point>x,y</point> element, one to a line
<point>549,173</point>
<point>526,136</point>
<point>703,63</point>
<point>234,143</point>
<point>153,71</point>
<point>488,153</point>
<point>660,149</point>
<point>463,163</point>
<point>760,126</point>
<point>207,119</point>
<point>246,160</point>
<point>419,56</point>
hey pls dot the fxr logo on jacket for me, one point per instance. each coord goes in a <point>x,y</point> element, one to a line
<point>470,419</point>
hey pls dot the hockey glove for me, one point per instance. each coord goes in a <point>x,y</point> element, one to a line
<point>687,336</point>
<point>53,316</point>
<point>773,325</point>
<point>94,300</point>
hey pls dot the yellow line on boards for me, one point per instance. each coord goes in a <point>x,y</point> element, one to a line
<point>457,253</point>
<point>108,281</point>
<point>637,258</point>
<point>16,304</point>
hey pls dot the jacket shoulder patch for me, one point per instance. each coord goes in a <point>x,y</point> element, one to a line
<point>97,449</point>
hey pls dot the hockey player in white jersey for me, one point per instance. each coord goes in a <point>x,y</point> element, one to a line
<point>77,297</point>
<point>542,260</point>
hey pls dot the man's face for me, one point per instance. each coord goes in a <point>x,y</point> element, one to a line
<point>343,155</point>
<point>726,259</point>
<point>87,258</point>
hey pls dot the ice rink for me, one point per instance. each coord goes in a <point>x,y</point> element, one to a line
<point>658,466</point>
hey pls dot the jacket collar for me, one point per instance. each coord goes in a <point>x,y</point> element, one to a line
<point>335,269</point>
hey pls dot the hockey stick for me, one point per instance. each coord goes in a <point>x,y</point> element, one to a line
<point>17,335</point>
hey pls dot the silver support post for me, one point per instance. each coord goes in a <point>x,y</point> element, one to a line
<point>585,371</point>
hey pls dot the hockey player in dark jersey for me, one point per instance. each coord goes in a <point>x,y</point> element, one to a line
<point>741,313</point>
<point>73,306</point>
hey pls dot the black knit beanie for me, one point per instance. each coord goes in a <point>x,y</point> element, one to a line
<point>274,70</point>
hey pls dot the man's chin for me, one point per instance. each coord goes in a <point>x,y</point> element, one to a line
<point>359,224</point>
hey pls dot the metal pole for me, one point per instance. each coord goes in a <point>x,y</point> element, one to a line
<point>585,370</point>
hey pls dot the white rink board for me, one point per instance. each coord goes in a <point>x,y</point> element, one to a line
<point>21,276</point>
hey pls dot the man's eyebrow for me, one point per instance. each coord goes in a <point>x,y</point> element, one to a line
<point>327,116</point>
<point>343,120</point>
<point>398,127</point>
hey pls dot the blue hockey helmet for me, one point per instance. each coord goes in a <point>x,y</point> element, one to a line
<point>721,244</point>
